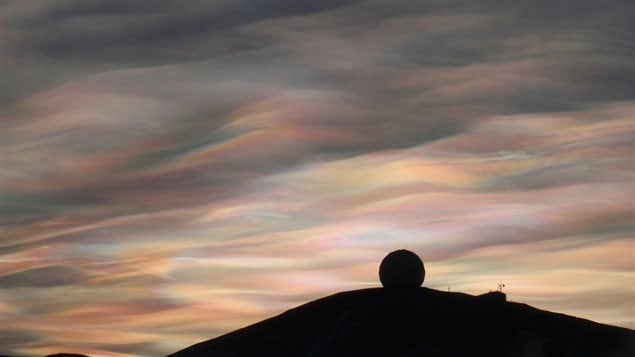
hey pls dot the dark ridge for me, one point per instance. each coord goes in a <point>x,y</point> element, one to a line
<point>419,322</point>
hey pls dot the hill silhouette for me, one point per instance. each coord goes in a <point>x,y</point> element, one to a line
<point>404,319</point>
<point>419,322</point>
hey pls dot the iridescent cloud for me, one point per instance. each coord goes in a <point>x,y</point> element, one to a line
<point>171,173</point>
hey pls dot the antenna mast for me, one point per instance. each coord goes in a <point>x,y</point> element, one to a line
<point>501,286</point>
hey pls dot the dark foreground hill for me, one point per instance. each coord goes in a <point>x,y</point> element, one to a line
<point>419,322</point>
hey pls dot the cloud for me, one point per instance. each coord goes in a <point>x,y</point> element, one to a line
<point>67,39</point>
<point>42,277</point>
<point>10,337</point>
<point>170,164</point>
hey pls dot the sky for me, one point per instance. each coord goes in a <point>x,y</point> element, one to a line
<point>172,171</point>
